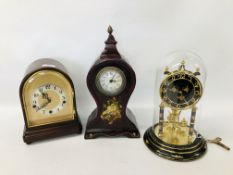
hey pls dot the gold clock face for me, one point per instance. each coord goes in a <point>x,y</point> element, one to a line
<point>181,90</point>
<point>47,98</point>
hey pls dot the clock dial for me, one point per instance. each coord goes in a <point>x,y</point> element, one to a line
<point>48,99</point>
<point>110,81</point>
<point>181,90</point>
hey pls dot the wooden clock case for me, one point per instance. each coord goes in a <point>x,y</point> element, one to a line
<point>55,129</point>
<point>126,125</point>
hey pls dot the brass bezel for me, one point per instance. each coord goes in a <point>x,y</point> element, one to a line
<point>99,87</point>
<point>181,72</point>
<point>44,77</point>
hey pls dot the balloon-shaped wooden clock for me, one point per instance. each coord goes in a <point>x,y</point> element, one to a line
<point>111,81</point>
<point>48,101</point>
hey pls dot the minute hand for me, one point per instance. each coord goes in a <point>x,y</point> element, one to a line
<point>44,105</point>
<point>113,77</point>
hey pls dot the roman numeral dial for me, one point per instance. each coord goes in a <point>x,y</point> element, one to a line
<point>181,90</point>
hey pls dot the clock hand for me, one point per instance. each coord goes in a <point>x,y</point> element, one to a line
<point>179,92</point>
<point>44,95</point>
<point>43,105</point>
<point>112,79</point>
<point>174,90</point>
<point>186,89</point>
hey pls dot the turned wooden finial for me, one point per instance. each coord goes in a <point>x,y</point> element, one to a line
<point>110,50</point>
<point>110,30</point>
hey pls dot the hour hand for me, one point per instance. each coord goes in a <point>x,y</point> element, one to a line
<point>186,89</point>
<point>174,90</point>
<point>45,95</point>
<point>43,105</point>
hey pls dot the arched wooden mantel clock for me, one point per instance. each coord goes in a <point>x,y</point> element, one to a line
<point>48,101</point>
<point>111,81</point>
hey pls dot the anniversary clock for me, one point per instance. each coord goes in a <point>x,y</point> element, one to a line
<point>180,89</point>
<point>48,101</point>
<point>111,81</point>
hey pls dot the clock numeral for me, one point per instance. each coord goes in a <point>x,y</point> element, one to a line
<point>176,105</point>
<point>196,85</point>
<point>36,95</point>
<point>164,90</point>
<point>173,77</point>
<point>188,78</point>
<point>197,93</point>
<point>60,91</point>
<point>47,86</point>
<point>183,105</point>
<point>164,86</point>
<point>192,100</point>
<point>34,101</point>
<point>182,76</point>
<point>194,81</point>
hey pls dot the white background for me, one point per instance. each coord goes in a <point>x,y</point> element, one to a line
<point>73,32</point>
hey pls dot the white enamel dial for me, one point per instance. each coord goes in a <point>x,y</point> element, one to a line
<point>48,99</point>
<point>110,81</point>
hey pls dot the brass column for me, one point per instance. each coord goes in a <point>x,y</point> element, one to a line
<point>192,121</point>
<point>161,119</point>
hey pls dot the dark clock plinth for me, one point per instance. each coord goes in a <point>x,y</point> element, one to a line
<point>181,153</point>
<point>56,130</point>
<point>124,127</point>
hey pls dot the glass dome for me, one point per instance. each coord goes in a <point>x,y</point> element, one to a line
<point>172,62</point>
<point>179,87</point>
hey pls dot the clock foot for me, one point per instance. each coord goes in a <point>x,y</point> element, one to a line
<point>93,134</point>
<point>126,127</point>
<point>188,152</point>
<point>57,130</point>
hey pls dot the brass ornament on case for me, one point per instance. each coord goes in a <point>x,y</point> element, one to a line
<point>112,111</point>
<point>174,137</point>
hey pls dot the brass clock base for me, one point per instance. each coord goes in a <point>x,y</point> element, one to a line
<point>175,152</point>
<point>97,127</point>
<point>55,130</point>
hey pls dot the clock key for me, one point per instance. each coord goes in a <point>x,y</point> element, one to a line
<point>217,141</point>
